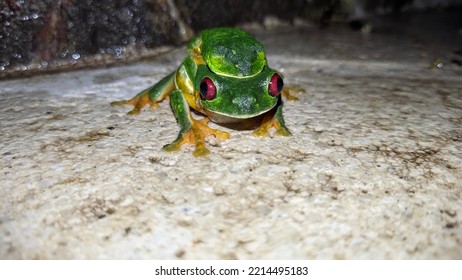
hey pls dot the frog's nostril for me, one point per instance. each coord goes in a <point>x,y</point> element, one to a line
<point>244,102</point>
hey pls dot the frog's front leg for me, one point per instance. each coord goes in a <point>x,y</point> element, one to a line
<point>150,96</point>
<point>192,131</point>
<point>275,121</point>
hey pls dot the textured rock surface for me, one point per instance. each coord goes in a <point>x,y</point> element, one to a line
<point>44,36</point>
<point>373,169</point>
<point>49,35</point>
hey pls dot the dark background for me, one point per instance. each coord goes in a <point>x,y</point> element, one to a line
<point>53,35</point>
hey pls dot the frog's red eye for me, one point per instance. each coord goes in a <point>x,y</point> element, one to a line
<point>207,89</point>
<point>275,85</point>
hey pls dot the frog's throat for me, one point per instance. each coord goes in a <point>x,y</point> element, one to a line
<point>220,117</point>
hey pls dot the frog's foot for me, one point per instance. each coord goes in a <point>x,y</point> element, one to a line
<point>288,92</point>
<point>196,134</point>
<point>268,123</point>
<point>138,102</point>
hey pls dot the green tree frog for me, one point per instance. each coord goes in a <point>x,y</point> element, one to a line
<point>226,78</point>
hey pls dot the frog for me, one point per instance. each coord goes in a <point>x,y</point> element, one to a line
<point>225,78</point>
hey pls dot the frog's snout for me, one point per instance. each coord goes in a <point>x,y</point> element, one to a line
<point>244,102</point>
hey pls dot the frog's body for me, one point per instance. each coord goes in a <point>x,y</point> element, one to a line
<point>227,79</point>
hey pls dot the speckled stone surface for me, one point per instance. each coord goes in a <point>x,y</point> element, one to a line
<point>373,169</point>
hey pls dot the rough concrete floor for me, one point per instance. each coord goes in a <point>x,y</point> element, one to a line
<point>373,169</point>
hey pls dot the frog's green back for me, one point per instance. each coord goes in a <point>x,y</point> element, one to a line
<point>232,52</point>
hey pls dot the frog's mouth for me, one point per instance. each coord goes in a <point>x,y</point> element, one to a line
<point>223,118</point>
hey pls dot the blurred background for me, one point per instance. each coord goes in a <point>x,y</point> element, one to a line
<point>54,35</point>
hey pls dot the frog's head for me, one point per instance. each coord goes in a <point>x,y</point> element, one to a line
<point>227,99</point>
<point>235,82</point>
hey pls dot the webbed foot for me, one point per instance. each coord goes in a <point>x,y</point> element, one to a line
<point>288,92</point>
<point>196,135</point>
<point>274,121</point>
<point>138,102</point>
<point>150,96</point>
<point>269,123</point>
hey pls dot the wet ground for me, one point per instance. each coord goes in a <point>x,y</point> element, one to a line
<point>373,168</point>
